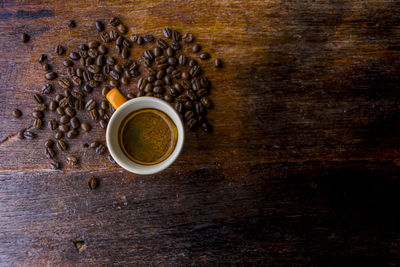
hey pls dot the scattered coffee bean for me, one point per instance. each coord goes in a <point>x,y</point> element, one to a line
<point>122,29</point>
<point>60,111</point>
<point>65,119</point>
<point>61,145</point>
<point>167,32</point>
<point>93,183</point>
<point>46,67</point>
<point>75,123</point>
<point>59,135</point>
<point>218,63</point>
<point>195,70</point>
<point>59,50</point>
<point>148,38</point>
<point>21,134</point>
<point>104,91</point>
<point>114,21</point>
<point>99,26</point>
<point>29,135</point>
<point>196,48</point>
<point>63,128</point>
<point>51,75</point>
<point>37,114</point>
<point>74,56</point>
<point>55,165</point>
<point>103,124</point>
<point>91,104</point>
<point>25,37</point>
<point>86,126</point>
<point>42,58</point>
<point>71,24</point>
<point>72,160</point>
<point>49,143</point>
<point>94,115</point>
<point>50,152</point>
<point>204,56</point>
<point>37,123</point>
<point>52,124</point>
<point>192,63</point>
<point>188,38</point>
<point>100,149</point>
<point>72,133</point>
<point>17,113</point>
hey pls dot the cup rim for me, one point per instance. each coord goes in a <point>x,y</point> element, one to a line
<point>151,168</point>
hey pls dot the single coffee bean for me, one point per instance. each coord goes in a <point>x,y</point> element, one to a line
<point>61,145</point>
<point>148,38</point>
<point>102,49</point>
<point>70,111</point>
<point>64,102</point>
<point>29,135</point>
<point>125,53</point>
<point>20,134</point>
<point>93,53</point>
<point>199,108</point>
<point>71,24</point>
<point>17,113</point>
<point>52,124</point>
<point>85,126</point>
<point>58,135</point>
<point>63,128</point>
<point>201,92</point>
<point>158,90</point>
<point>71,71</point>
<point>196,48</point>
<point>76,81</point>
<point>113,35</point>
<point>188,38</point>
<point>105,37</point>
<point>167,32</point>
<point>170,69</point>
<point>118,68</point>
<point>162,44</point>
<point>51,75</point>
<point>124,80</point>
<point>182,60</point>
<point>100,60</point>
<point>55,165</point>
<point>67,93</point>
<point>195,70</point>
<point>49,143</point>
<point>115,75</point>
<point>106,117</point>
<point>103,124</point>
<point>196,84</point>
<point>72,160</point>
<point>47,88</point>
<point>114,21</point>
<point>176,36</point>
<point>104,91</point>
<point>157,52</point>
<point>218,63</point>
<point>100,149</point>
<point>65,119</point>
<point>93,44</point>
<point>204,56</point>
<point>175,45</point>
<point>59,97</point>
<point>188,105</point>
<point>185,75</point>
<point>78,104</point>
<point>94,69</point>
<point>91,104</point>
<point>74,56</point>
<point>160,74</point>
<point>192,63</point>
<point>25,37</point>
<point>53,105</point>
<point>67,63</point>
<point>168,98</point>
<point>60,111</point>
<point>205,82</point>
<point>170,52</point>
<point>64,83</point>
<point>50,152</point>
<point>158,83</point>
<point>42,58</point>
<point>176,74</point>
<point>75,123</point>
<point>59,50</point>
<point>99,26</point>
<point>37,123</point>
<point>104,104</point>
<point>93,183</point>
<point>126,43</point>
<point>191,94</point>
<point>148,88</point>
<point>140,40</point>
<point>72,133</point>
<point>192,123</point>
<point>172,61</point>
<point>130,95</point>
<point>94,115</point>
<point>186,84</point>
<point>189,115</point>
<point>41,107</point>
<point>178,87</point>
<point>46,67</point>
<point>37,114</point>
<point>122,29</point>
<point>94,144</point>
<point>179,107</point>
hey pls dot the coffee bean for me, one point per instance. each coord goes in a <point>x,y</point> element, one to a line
<point>140,40</point>
<point>195,70</point>
<point>63,128</point>
<point>85,126</point>
<point>17,113</point>
<point>122,29</point>
<point>37,123</point>
<point>201,92</point>
<point>204,56</point>
<point>175,45</point>
<point>162,44</point>
<point>50,152</point>
<point>172,61</point>
<point>46,67</point>
<point>52,124</point>
<point>167,80</point>
<point>196,48</point>
<point>218,63</point>
<point>189,115</point>
<point>186,84</point>
<point>104,91</point>
<point>55,165</point>
<point>188,105</point>
<point>125,53</point>
<point>71,24</point>
<point>178,87</point>
<point>102,49</point>
<point>51,75</point>
<point>158,83</point>
<point>49,143</point>
<point>72,160</point>
<point>58,135</point>
<point>37,114</point>
<point>192,63</point>
<point>114,75</point>
<point>93,183</point>
<point>205,82</point>
<point>114,21</point>
<point>192,123</point>
<point>94,68</point>
<point>93,53</point>
<point>119,40</point>
<point>105,37</point>
<point>29,135</point>
<point>196,84</point>
<point>168,98</point>
<point>182,60</point>
<point>114,83</point>
<point>149,55</point>
<point>60,111</point>
<point>64,102</point>
<point>74,56</point>
<point>75,123</point>
<point>100,149</point>
<point>113,35</point>
<point>47,88</point>
<point>67,63</point>
<point>103,124</point>
<point>185,75</point>
<point>176,74</point>
<point>65,119</point>
<point>72,133</point>
<point>91,104</point>
<point>25,37</point>
<point>59,50</point>
<point>42,58</point>
<point>179,107</point>
<point>99,26</point>
<point>70,111</point>
<point>148,38</point>
<point>61,145</point>
<point>20,134</point>
<point>67,93</point>
<point>167,32</point>
<point>94,115</point>
<point>188,38</point>
<point>93,44</point>
<point>64,83</point>
<point>53,105</point>
<point>94,144</point>
<point>199,108</point>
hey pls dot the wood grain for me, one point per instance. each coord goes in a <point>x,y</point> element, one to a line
<point>302,168</point>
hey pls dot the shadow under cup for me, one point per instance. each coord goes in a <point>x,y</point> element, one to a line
<point>121,114</point>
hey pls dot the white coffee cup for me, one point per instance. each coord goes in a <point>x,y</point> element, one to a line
<point>123,109</point>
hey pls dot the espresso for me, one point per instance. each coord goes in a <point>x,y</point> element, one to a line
<point>148,136</point>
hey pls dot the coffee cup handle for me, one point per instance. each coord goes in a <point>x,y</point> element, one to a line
<point>115,98</point>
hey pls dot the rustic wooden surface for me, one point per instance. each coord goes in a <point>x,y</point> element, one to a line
<point>302,168</point>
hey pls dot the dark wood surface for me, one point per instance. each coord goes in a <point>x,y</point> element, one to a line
<point>302,168</point>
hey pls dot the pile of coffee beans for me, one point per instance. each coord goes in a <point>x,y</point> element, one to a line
<point>160,69</point>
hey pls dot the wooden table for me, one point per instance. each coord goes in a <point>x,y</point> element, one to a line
<point>302,168</point>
